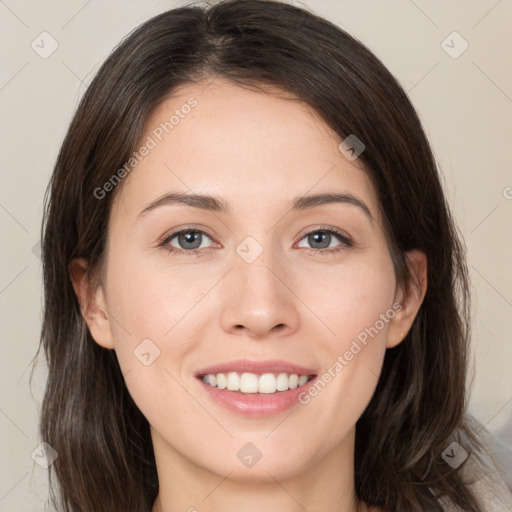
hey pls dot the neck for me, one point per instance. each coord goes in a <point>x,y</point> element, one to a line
<point>326,485</point>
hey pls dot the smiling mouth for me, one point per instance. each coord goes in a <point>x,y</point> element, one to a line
<point>252,383</point>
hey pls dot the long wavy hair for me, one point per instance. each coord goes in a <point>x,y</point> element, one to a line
<point>105,456</point>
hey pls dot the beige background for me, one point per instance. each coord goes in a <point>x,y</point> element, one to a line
<point>465,104</point>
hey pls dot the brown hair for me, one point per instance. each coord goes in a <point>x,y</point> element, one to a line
<point>106,460</point>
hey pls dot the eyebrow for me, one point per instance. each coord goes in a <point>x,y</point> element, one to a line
<point>219,205</point>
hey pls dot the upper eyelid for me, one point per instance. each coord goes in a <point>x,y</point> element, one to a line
<point>172,234</point>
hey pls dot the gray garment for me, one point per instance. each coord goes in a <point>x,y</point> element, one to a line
<point>491,476</point>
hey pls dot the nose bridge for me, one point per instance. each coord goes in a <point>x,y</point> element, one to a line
<point>259,299</point>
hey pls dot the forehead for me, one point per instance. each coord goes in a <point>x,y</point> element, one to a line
<point>253,148</point>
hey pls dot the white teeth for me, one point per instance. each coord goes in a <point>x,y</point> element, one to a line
<point>233,381</point>
<point>249,383</point>
<point>211,379</point>
<point>221,381</point>
<point>252,383</point>
<point>282,382</point>
<point>267,383</point>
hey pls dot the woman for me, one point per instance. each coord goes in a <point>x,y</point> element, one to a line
<point>248,369</point>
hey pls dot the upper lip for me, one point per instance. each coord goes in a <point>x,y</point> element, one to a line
<point>257,367</point>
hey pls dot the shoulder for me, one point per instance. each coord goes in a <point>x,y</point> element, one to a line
<point>487,472</point>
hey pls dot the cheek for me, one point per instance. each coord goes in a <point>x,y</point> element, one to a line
<point>352,300</point>
<point>358,310</point>
<point>152,302</point>
<point>348,378</point>
<point>152,322</point>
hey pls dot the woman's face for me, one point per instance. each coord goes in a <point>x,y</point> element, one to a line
<point>262,281</point>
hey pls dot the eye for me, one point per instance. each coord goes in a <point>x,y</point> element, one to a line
<point>189,240</point>
<point>321,239</point>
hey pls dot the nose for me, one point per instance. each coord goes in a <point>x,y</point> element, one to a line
<point>259,299</point>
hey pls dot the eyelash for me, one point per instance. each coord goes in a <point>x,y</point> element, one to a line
<point>345,242</point>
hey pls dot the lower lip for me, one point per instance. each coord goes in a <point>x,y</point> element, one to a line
<point>255,404</point>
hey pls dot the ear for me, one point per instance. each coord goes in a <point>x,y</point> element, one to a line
<point>410,299</point>
<point>92,303</point>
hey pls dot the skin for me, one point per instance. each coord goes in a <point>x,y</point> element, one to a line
<point>257,151</point>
